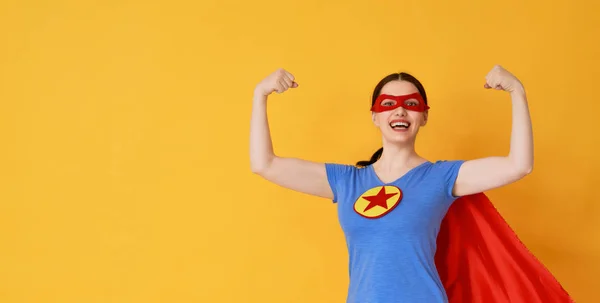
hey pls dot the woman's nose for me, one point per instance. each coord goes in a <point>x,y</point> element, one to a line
<point>400,111</point>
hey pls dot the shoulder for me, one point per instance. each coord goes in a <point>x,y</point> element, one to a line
<point>340,176</point>
<point>339,169</point>
<point>441,165</point>
<point>443,170</point>
<point>337,172</point>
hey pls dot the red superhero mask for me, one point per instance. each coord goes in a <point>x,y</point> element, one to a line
<point>412,102</point>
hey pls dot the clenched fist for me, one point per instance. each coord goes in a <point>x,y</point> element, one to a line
<point>500,78</point>
<point>279,81</point>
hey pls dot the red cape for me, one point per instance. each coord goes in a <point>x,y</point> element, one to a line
<point>480,259</point>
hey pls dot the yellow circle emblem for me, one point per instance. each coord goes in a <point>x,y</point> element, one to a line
<point>378,201</point>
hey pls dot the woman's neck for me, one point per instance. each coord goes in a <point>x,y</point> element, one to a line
<point>398,158</point>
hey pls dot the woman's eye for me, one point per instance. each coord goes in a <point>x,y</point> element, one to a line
<point>412,103</point>
<point>388,103</point>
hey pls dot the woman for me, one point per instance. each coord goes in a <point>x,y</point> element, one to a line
<point>391,207</point>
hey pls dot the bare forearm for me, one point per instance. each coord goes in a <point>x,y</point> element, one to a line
<point>261,146</point>
<point>521,141</point>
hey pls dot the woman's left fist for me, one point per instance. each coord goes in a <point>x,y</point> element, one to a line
<point>499,78</point>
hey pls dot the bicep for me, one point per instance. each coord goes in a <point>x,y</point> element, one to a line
<point>300,175</point>
<point>479,175</point>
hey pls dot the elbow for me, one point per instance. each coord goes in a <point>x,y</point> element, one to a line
<point>520,167</point>
<point>260,167</point>
<point>257,169</point>
<point>524,170</point>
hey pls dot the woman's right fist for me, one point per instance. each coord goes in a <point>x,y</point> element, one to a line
<point>279,81</point>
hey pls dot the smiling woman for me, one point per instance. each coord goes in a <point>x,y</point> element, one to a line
<point>405,217</point>
<point>396,92</point>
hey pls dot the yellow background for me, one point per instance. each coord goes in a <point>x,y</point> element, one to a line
<point>124,129</point>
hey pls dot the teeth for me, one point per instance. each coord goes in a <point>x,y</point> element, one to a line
<point>399,124</point>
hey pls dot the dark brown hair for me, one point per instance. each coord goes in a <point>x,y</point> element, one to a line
<point>377,91</point>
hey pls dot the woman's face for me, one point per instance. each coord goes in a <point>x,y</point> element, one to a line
<point>399,125</point>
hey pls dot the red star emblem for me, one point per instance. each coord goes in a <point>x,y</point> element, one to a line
<point>378,200</point>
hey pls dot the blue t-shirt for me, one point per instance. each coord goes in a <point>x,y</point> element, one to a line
<point>391,230</point>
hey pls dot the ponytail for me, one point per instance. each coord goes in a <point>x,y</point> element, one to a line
<point>374,158</point>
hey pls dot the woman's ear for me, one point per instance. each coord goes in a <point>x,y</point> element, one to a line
<point>374,119</point>
<point>425,117</point>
